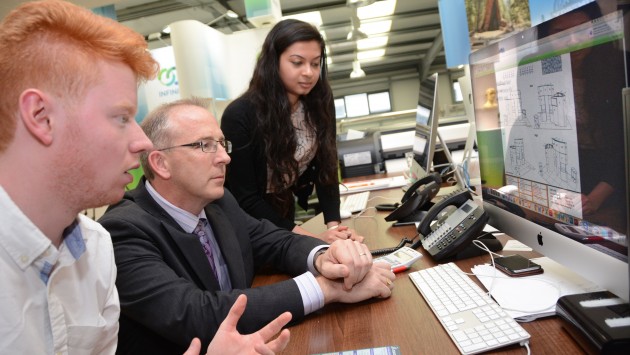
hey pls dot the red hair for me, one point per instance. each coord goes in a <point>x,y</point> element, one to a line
<point>53,45</point>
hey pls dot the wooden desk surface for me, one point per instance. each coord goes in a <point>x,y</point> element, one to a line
<point>404,319</point>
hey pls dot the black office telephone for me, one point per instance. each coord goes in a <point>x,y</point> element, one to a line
<point>451,225</point>
<point>415,199</point>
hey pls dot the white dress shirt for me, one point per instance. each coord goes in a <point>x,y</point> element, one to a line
<point>56,301</point>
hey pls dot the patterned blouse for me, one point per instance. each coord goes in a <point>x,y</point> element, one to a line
<point>306,145</point>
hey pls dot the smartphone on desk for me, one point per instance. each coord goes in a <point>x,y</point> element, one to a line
<point>517,265</point>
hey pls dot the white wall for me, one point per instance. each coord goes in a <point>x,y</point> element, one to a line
<point>404,94</point>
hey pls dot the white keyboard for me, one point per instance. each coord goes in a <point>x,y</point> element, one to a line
<point>473,320</point>
<point>355,202</point>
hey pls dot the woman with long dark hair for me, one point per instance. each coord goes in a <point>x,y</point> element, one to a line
<point>284,134</point>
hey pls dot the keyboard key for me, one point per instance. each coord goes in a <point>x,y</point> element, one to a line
<point>355,202</point>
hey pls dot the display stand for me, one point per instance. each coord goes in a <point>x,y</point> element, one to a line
<point>449,158</point>
<point>471,141</point>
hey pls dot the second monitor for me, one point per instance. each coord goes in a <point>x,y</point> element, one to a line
<point>426,128</point>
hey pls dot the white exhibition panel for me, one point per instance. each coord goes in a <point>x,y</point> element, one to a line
<point>201,57</point>
<point>211,64</point>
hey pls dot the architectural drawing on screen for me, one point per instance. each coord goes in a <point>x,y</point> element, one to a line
<point>518,164</point>
<point>511,108</point>
<point>552,109</point>
<point>553,167</point>
<point>552,112</point>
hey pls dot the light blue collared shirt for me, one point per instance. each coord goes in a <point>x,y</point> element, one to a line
<point>72,239</point>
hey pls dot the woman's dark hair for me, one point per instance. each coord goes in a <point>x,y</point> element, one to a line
<point>268,94</point>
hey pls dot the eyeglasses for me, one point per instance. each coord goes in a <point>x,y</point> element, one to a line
<point>206,145</point>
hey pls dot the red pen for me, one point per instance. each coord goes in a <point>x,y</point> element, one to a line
<point>400,269</point>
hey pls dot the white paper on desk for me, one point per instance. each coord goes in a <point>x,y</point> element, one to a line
<point>374,184</point>
<point>530,297</point>
<point>515,245</point>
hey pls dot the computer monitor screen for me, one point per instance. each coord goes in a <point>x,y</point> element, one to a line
<point>550,132</point>
<point>426,127</point>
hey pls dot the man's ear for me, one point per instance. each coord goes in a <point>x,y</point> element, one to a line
<point>35,108</point>
<point>158,162</point>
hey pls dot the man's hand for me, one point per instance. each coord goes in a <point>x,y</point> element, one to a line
<point>229,341</point>
<point>377,283</point>
<point>345,259</point>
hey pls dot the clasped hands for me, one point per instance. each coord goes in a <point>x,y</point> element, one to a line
<point>345,260</point>
<point>349,275</point>
<point>340,232</point>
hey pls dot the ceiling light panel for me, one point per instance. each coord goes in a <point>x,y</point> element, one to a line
<point>313,17</point>
<point>375,53</point>
<point>376,27</point>
<point>372,42</point>
<point>377,9</point>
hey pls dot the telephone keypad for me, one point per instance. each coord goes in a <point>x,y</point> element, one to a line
<point>454,227</point>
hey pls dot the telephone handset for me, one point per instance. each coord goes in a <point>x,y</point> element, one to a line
<point>432,177</point>
<point>458,221</point>
<point>417,196</point>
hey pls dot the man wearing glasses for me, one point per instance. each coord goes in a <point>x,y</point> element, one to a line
<point>185,250</point>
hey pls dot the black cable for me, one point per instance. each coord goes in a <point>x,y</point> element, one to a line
<point>415,244</point>
<point>402,243</point>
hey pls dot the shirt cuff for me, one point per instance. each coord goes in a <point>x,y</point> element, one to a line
<point>310,262</point>
<point>312,295</point>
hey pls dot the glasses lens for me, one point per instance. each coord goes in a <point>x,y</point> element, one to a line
<point>207,147</point>
<point>227,145</point>
<point>211,146</point>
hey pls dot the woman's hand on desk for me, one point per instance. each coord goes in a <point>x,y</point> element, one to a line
<point>336,232</point>
<point>378,283</point>
<point>339,232</point>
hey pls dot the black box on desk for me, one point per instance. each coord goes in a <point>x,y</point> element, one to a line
<point>597,321</point>
<point>360,156</point>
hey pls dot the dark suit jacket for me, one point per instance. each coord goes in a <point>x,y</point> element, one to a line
<point>168,293</point>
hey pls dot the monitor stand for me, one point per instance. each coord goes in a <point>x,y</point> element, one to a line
<point>416,172</point>
<point>460,183</point>
<point>490,241</point>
